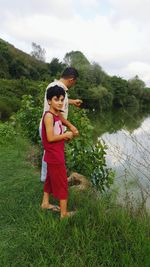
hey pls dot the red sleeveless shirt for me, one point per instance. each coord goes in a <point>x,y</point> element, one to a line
<point>54,151</point>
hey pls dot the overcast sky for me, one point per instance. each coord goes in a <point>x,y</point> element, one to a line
<point>113,33</point>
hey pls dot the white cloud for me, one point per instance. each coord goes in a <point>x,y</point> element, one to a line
<point>89,3</point>
<point>139,67</point>
<point>22,9</point>
<point>133,9</point>
<point>116,39</point>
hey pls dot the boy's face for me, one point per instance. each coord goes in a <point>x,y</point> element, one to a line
<point>56,102</point>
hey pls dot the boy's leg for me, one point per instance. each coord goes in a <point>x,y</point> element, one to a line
<point>46,205</point>
<point>63,208</point>
<point>45,201</point>
<point>47,190</point>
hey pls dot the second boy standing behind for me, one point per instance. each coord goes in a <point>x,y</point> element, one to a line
<point>53,141</point>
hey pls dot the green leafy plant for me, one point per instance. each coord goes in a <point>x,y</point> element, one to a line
<point>7,133</point>
<point>85,157</point>
<point>29,118</point>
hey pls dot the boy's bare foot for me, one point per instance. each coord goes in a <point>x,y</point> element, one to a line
<point>50,207</point>
<point>68,214</point>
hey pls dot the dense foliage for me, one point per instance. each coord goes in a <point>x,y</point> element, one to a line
<point>29,118</point>
<point>7,133</point>
<point>16,64</point>
<point>95,87</point>
<point>102,92</point>
<point>11,92</point>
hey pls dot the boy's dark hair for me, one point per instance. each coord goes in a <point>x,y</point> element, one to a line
<point>55,91</point>
<point>70,73</point>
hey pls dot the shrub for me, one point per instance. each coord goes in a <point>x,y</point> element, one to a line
<point>7,133</point>
<point>84,156</point>
<point>5,110</point>
<point>29,118</point>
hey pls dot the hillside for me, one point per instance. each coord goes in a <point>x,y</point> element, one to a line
<point>21,74</point>
<point>15,64</point>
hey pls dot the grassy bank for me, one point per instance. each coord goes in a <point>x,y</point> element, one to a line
<point>101,234</point>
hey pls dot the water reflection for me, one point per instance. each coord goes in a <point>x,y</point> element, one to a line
<point>127,136</point>
<point>130,152</point>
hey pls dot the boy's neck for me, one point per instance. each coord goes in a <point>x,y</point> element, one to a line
<point>55,112</point>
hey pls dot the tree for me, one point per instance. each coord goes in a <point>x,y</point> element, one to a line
<point>4,70</point>
<point>100,97</point>
<point>145,98</point>
<point>120,90</point>
<point>18,69</point>
<point>55,66</point>
<point>38,52</point>
<point>98,75</point>
<point>76,59</point>
<point>136,86</point>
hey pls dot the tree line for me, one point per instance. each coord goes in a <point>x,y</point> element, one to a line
<point>20,73</point>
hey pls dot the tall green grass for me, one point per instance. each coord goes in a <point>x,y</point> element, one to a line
<point>102,233</point>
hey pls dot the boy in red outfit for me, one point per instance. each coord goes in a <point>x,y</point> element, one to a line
<point>53,140</point>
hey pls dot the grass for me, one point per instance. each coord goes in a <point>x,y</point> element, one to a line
<point>101,234</point>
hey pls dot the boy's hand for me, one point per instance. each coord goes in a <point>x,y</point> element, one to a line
<point>68,135</point>
<point>74,130</point>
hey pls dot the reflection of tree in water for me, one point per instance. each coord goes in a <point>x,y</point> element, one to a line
<point>127,135</point>
<point>129,155</point>
<point>117,119</point>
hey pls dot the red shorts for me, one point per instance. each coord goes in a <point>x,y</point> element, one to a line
<point>56,182</point>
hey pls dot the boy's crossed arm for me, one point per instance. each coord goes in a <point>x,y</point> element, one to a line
<point>69,125</point>
<point>51,137</point>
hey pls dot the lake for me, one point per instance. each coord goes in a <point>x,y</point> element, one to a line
<point>127,136</point>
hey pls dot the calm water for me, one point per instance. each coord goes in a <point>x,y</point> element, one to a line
<point>127,135</point>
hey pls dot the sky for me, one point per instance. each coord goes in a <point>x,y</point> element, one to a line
<point>113,33</point>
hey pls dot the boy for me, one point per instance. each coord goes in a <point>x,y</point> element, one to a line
<point>53,141</point>
<point>67,80</point>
